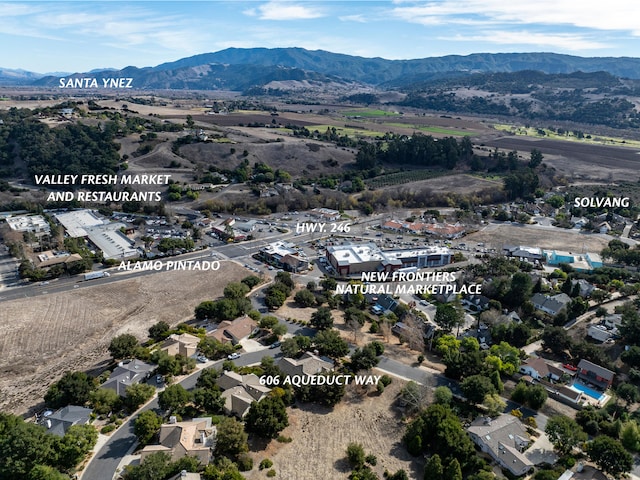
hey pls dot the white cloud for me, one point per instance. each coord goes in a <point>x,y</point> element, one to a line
<point>353,18</point>
<point>284,10</point>
<point>618,15</point>
<point>540,40</point>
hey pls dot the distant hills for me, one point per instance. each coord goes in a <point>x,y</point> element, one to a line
<point>242,69</point>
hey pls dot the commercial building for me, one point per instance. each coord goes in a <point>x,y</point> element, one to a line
<point>581,262</point>
<point>353,259</point>
<point>29,223</point>
<point>284,255</point>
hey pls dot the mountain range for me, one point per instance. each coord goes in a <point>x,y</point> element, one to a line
<point>241,69</point>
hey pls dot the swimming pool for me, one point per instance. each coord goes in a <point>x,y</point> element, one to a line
<point>588,391</point>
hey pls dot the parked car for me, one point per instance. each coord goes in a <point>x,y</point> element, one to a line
<point>202,359</point>
<point>159,379</point>
<point>233,356</point>
<point>275,344</point>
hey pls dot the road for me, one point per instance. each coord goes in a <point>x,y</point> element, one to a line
<point>106,461</point>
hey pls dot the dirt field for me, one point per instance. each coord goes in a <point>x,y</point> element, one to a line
<point>462,184</point>
<point>320,438</point>
<point>578,161</point>
<point>499,235</point>
<point>43,337</point>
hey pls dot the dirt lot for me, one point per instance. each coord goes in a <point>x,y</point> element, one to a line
<point>498,235</point>
<point>320,438</point>
<point>461,184</point>
<point>43,337</point>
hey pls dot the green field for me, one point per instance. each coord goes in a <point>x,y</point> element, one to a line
<point>370,113</point>
<point>400,178</point>
<point>348,131</point>
<point>429,129</point>
<point>568,137</point>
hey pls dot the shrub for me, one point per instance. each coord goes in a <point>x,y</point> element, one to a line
<point>107,429</point>
<point>271,473</point>
<point>386,380</point>
<point>266,463</point>
<point>245,462</point>
<point>283,439</point>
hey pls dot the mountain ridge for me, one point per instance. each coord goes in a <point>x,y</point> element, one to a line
<point>257,64</point>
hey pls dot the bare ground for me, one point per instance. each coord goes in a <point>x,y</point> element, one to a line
<point>321,435</point>
<point>499,235</point>
<point>43,337</point>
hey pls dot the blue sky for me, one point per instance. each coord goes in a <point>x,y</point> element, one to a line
<point>84,35</point>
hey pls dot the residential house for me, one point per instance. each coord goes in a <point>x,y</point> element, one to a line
<point>308,364</point>
<point>595,374</point>
<point>604,227</point>
<point>551,304</point>
<point>184,344</point>
<point>613,320</point>
<point>476,303</point>
<point>240,391</point>
<point>601,333</point>
<point>59,422</point>
<point>586,262</point>
<point>505,439</point>
<point>128,372</point>
<point>585,287</point>
<point>234,331</point>
<point>194,438</point>
<point>538,369</point>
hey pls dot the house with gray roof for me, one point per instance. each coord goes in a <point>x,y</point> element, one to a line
<point>128,372</point>
<point>240,391</point>
<point>595,374</point>
<point>59,422</point>
<point>308,364</point>
<point>505,439</point>
<point>551,304</point>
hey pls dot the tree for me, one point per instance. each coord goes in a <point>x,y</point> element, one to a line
<point>536,397</point>
<point>173,398</point>
<point>45,472</point>
<point>305,298</point>
<point>208,399</point>
<point>328,284</point>
<point>274,298</point>
<point>414,396</point>
<point>235,290</point>
<point>104,400</point>
<point>453,470</point>
<point>146,426</point>
<point>355,455</point>
<point>123,346</point>
<point>520,291</point>
<point>476,387</point>
<point>155,467</point>
<point>363,358</point>
<point>556,339</point>
<point>442,395</point>
<point>610,455</point>
<point>628,392</point>
<point>208,378</point>
<point>535,158</point>
<point>267,418</point>
<point>76,443</point>
<point>24,445</point>
<point>159,331</point>
<point>448,316</point>
<point>330,343</point>
<point>433,470</point>
<point>564,433</point>
<point>137,395</point>
<point>74,388</point>
<point>630,436</point>
<point>494,404</point>
<point>231,439</point>
<point>322,319</point>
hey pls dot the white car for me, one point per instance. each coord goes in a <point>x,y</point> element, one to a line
<point>233,356</point>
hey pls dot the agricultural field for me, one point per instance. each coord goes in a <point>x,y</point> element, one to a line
<point>569,136</point>
<point>43,337</point>
<point>400,178</point>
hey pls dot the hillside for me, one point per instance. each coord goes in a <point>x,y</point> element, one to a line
<point>242,68</point>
